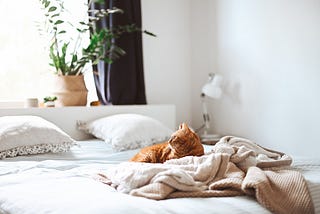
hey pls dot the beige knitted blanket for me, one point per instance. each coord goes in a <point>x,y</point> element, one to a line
<point>235,166</point>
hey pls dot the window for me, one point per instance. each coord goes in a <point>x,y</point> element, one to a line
<point>24,68</point>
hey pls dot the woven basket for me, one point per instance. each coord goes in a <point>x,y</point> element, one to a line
<point>70,90</point>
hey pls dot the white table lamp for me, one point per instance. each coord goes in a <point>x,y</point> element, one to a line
<point>211,89</point>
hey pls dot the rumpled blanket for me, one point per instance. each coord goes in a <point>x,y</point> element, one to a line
<point>235,166</point>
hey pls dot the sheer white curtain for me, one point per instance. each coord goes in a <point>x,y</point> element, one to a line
<point>24,67</point>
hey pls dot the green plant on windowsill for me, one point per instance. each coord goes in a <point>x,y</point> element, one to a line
<point>69,60</point>
<point>49,99</point>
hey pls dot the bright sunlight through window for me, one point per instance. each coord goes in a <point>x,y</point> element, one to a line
<point>24,68</point>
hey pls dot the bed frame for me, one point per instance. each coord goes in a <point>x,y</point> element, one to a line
<point>66,117</point>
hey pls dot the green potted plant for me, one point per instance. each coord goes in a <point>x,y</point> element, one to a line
<point>70,59</point>
<point>49,101</point>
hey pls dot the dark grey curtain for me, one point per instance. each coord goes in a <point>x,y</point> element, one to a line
<point>122,82</point>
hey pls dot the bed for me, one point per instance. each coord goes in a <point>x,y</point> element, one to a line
<point>64,182</point>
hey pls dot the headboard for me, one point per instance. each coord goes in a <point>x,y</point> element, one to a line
<point>66,117</point>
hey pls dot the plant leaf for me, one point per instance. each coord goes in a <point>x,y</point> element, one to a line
<point>47,4</point>
<point>54,15</point>
<point>58,22</point>
<point>53,8</point>
<point>149,33</point>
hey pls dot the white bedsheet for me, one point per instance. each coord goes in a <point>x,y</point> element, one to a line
<point>63,183</point>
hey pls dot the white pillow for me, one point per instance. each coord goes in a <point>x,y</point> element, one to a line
<point>127,131</point>
<point>24,135</point>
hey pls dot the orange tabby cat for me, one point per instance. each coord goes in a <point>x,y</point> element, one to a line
<point>183,142</point>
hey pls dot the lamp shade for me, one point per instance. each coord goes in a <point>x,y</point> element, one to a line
<point>212,88</point>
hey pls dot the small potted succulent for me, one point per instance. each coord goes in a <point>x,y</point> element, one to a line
<point>49,101</point>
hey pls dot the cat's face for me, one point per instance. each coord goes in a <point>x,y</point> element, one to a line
<point>185,142</point>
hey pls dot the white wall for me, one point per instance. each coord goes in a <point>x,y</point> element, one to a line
<point>269,54</point>
<point>167,58</point>
<point>203,53</point>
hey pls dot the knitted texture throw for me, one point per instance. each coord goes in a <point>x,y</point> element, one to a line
<point>235,166</point>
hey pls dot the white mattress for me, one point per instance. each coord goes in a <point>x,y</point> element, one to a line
<point>62,183</point>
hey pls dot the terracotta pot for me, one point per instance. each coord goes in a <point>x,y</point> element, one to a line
<point>70,90</point>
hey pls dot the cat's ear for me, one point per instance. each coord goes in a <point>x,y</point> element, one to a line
<point>183,126</point>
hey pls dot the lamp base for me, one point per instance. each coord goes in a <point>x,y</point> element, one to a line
<point>209,139</point>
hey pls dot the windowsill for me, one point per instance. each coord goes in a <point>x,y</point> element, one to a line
<point>12,104</point>
<point>18,104</point>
